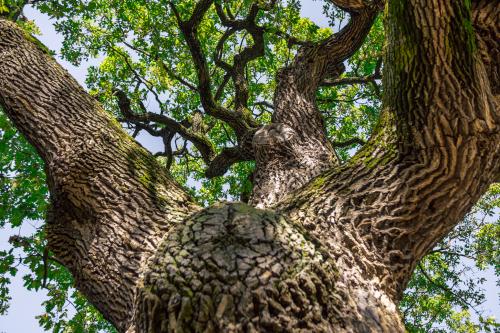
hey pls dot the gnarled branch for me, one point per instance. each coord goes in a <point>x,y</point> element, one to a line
<point>241,123</point>
<point>434,153</point>
<point>297,123</point>
<point>199,139</point>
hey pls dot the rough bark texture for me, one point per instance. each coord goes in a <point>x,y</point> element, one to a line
<point>333,256</point>
<point>294,148</point>
<point>234,268</point>
<point>110,201</point>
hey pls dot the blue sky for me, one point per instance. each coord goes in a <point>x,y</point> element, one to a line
<point>25,304</point>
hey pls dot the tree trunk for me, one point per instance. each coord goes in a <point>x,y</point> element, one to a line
<point>234,268</point>
<point>333,257</point>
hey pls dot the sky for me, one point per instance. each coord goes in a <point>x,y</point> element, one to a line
<point>26,304</point>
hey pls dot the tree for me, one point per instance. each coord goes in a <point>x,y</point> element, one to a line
<point>323,244</point>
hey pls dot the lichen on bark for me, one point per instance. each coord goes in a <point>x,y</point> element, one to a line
<point>234,268</point>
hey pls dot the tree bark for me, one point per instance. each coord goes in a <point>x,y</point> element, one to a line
<point>111,203</point>
<point>294,148</point>
<point>333,257</point>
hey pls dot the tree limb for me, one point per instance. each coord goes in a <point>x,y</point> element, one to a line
<point>239,122</point>
<point>347,143</point>
<point>241,59</point>
<point>265,103</point>
<point>93,167</point>
<point>353,6</point>
<point>311,66</point>
<point>377,75</point>
<point>199,140</point>
<point>433,154</point>
<point>296,118</point>
<point>222,162</point>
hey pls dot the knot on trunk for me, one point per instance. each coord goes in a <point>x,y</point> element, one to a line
<point>275,139</point>
<point>234,268</point>
<point>286,161</point>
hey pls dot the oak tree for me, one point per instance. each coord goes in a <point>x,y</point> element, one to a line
<point>247,95</point>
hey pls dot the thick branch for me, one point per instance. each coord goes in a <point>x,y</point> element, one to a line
<point>241,59</point>
<point>434,153</point>
<point>377,75</point>
<point>216,165</point>
<point>295,148</point>
<point>311,66</point>
<point>347,143</point>
<point>222,162</point>
<point>353,6</point>
<point>487,31</point>
<point>264,103</point>
<point>110,201</point>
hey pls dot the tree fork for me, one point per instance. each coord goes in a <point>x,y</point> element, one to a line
<point>334,256</point>
<point>111,205</point>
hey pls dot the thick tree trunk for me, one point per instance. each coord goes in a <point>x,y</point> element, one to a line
<point>234,268</point>
<point>335,256</point>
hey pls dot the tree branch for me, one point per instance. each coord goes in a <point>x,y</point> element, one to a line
<point>216,165</point>
<point>97,175</point>
<point>354,6</point>
<point>297,124</point>
<point>377,75</point>
<point>486,31</point>
<point>433,154</point>
<point>265,103</point>
<point>199,140</point>
<point>222,162</point>
<point>240,60</point>
<point>241,123</point>
<point>347,143</point>
<point>312,65</point>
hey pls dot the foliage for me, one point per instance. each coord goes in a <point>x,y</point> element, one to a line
<point>145,55</point>
<point>445,293</point>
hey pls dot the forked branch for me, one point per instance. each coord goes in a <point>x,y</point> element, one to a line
<point>198,138</point>
<point>239,122</point>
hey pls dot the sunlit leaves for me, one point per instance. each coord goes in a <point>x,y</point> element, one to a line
<point>446,292</point>
<point>23,192</point>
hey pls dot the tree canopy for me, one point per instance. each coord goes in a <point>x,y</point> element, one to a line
<point>201,78</point>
